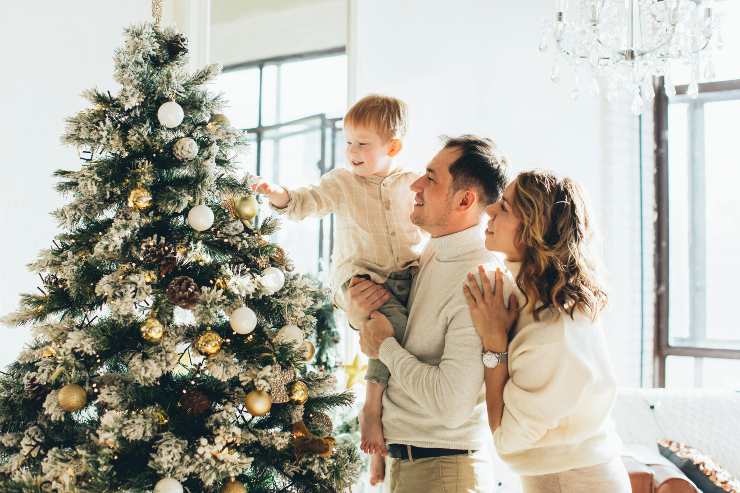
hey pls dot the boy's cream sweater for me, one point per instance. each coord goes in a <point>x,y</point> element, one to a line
<point>559,396</point>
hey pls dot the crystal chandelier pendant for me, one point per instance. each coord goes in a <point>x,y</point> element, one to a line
<point>629,42</point>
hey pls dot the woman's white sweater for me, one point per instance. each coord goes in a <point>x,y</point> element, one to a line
<point>559,396</point>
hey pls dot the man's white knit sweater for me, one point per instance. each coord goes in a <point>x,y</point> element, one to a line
<point>435,396</point>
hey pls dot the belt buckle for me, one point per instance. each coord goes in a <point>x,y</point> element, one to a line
<point>411,456</point>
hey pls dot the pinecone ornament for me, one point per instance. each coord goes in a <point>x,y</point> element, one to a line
<point>34,389</point>
<point>185,149</point>
<point>183,292</point>
<point>280,258</point>
<point>320,424</point>
<point>195,402</point>
<point>232,228</point>
<point>156,250</point>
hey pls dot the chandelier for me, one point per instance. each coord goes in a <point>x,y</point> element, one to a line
<point>625,43</point>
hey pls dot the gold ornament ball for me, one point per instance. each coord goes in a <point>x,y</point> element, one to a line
<point>139,199</point>
<point>48,352</point>
<point>209,343</point>
<point>258,402</point>
<point>309,350</point>
<point>247,207</point>
<point>234,486</point>
<point>152,330</point>
<point>72,397</point>
<point>298,392</point>
<point>160,416</point>
<point>218,120</point>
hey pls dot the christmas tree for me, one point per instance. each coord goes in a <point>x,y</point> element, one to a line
<point>172,343</point>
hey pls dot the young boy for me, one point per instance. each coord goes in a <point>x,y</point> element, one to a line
<point>375,238</point>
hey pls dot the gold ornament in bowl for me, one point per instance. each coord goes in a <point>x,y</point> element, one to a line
<point>234,486</point>
<point>209,343</point>
<point>298,392</point>
<point>139,199</point>
<point>72,397</point>
<point>246,208</point>
<point>152,330</point>
<point>258,402</point>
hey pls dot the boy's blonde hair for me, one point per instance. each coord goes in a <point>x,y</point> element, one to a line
<point>383,114</point>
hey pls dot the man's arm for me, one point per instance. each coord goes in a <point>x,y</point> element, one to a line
<point>451,388</point>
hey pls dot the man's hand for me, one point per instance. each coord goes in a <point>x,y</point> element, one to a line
<point>373,333</point>
<point>278,195</point>
<point>363,298</point>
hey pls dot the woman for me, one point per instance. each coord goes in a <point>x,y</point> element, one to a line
<point>549,407</point>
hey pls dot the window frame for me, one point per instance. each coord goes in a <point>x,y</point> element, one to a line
<point>328,127</point>
<point>708,92</point>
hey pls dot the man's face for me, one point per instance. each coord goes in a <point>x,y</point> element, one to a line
<point>433,201</point>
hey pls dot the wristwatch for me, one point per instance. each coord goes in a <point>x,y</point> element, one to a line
<point>492,359</point>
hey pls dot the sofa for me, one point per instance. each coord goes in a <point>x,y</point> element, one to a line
<point>708,420</point>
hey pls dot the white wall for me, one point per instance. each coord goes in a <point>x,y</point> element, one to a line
<point>51,52</point>
<point>314,27</point>
<point>473,66</point>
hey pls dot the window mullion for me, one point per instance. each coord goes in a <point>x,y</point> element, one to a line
<point>697,225</point>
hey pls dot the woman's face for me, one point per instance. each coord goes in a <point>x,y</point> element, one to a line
<point>502,232</point>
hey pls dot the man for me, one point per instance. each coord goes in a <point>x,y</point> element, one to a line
<point>433,407</point>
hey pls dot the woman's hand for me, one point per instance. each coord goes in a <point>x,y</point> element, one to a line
<point>491,318</point>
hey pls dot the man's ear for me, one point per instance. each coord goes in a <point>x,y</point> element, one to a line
<point>466,199</point>
<point>394,147</point>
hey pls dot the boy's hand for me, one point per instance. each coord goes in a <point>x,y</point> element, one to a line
<point>278,195</point>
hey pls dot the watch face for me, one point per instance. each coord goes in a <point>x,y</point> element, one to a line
<point>490,360</point>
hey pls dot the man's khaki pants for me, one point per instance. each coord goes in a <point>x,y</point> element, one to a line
<point>469,473</point>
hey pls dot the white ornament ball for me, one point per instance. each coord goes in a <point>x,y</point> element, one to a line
<point>290,334</point>
<point>243,320</point>
<point>200,217</point>
<point>185,149</point>
<point>168,485</point>
<point>170,114</point>
<point>273,279</point>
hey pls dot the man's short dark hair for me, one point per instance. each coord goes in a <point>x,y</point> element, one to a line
<point>479,166</point>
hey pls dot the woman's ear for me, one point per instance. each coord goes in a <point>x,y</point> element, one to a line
<point>394,147</point>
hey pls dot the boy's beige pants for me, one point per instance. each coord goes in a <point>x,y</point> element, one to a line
<point>450,474</point>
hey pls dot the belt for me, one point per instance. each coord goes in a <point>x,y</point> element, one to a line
<point>406,452</point>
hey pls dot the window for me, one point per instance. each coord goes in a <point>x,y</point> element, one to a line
<point>698,227</point>
<point>291,108</point>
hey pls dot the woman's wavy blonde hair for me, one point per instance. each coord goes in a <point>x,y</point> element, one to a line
<point>556,270</point>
